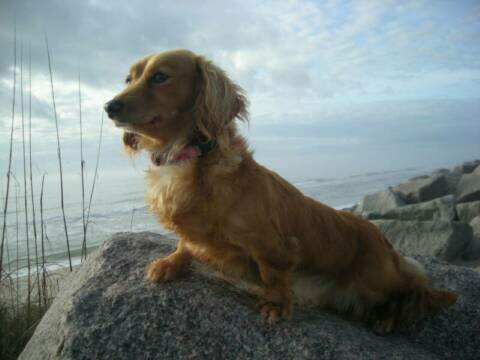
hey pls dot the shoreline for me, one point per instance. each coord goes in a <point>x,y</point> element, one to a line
<point>54,281</point>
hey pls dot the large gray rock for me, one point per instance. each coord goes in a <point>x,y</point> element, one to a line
<point>477,170</point>
<point>420,177</point>
<point>467,167</point>
<point>468,189</point>
<point>438,209</point>
<point>472,252</point>
<point>423,189</point>
<point>108,311</point>
<point>379,202</point>
<point>452,178</point>
<point>441,171</point>
<point>442,239</point>
<point>467,211</point>
<point>475,224</point>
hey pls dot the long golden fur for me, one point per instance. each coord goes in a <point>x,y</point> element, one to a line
<point>246,221</point>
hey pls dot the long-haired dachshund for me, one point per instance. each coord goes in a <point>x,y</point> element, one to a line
<point>244,220</point>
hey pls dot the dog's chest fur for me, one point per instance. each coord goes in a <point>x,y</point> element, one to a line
<point>170,191</point>
<point>182,205</point>
<point>195,214</point>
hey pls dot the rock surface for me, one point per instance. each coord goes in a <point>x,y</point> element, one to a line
<point>468,188</point>
<point>472,252</point>
<point>452,177</point>
<point>442,239</point>
<point>467,167</point>
<point>475,224</point>
<point>467,211</point>
<point>446,195</point>
<point>108,311</point>
<point>379,202</point>
<point>438,209</point>
<point>423,189</point>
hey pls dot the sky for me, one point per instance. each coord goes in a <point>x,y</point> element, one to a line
<point>336,87</point>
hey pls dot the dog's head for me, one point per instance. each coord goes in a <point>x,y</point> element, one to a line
<point>173,95</point>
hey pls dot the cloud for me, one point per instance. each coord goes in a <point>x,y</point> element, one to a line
<point>332,64</point>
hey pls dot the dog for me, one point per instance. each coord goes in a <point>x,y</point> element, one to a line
<point>244,220</point>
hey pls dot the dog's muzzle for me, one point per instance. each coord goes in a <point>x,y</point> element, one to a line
<point>113,108</point>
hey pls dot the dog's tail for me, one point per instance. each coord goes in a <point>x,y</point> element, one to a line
<point>407,307</point>
<point>433,299</point>
<point>438,299</point>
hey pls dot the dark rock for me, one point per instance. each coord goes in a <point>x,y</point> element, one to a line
<point>423,189</point>
<point>379,202</point>
<point>442,239</point>
<point>467,211</point>
<point>452,177</point>
<point>419,177</point>
<point>108,311</point>
<point>467,167</point>
<point>468,188</point>
<point>438,209</point>
<point>441,171</point>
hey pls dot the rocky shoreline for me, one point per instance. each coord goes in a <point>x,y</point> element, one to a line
<point>434,215</point>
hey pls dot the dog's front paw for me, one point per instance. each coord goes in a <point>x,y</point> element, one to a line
<point>163,269</point>
<point>272,312</point>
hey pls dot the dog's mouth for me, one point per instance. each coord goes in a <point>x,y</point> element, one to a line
<point>124,124</point>
<point>120,124</point>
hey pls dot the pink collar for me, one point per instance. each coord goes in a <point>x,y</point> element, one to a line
<point>187,153</point>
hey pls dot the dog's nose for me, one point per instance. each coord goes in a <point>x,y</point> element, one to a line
<point>113,107</point>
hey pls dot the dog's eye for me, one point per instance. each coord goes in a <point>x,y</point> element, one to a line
<point>128,80</point>
<point>159,78</point>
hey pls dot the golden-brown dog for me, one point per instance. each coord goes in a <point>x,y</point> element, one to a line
<point>246,221</point>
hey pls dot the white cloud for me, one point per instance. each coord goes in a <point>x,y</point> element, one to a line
<point>300,61</point>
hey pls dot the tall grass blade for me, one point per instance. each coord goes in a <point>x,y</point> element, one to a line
<point>131,218</point>
<point>44,279</point>
<point>59,153</point>
<point>25,194</point>
<point>6,236</point>
<point>9,262</point>
<point>34,220</point>
<point>82,172</point>
<point>17,264</point>
<point>94,177</point>
<point>9,169</point>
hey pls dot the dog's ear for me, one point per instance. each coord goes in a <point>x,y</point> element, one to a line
<point>131,143</point>
<point>219,100</point>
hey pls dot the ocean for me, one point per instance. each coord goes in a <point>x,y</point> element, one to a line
<point>118,205</point>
